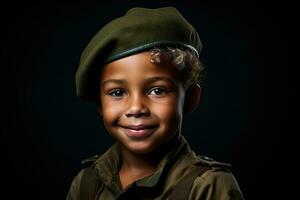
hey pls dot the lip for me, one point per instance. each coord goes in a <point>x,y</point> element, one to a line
<point>139,131</point>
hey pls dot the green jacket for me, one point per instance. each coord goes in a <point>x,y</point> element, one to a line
<point>217,183</point>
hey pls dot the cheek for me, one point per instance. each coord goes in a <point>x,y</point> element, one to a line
<point>110,110</point>
<point>169,112</point>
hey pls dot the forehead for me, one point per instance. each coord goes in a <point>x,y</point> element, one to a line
<point>139,66</point>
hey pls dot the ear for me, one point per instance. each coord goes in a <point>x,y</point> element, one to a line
<point>192,98</point>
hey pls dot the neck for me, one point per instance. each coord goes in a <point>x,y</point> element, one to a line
<point>137,166</point>
<point>145,163</point>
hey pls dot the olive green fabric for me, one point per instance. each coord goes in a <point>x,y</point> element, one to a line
<point>140,29</point>
<point>216,183</point>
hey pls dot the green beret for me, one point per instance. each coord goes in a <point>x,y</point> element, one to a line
<point>140,29</point>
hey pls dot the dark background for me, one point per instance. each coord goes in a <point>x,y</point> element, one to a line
<point>46,130</point>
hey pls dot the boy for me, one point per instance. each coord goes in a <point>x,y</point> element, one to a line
<point>142,70</point>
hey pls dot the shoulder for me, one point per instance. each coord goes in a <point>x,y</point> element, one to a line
<point>87,169</point>
<point>216,183</point>
<point>88,162</point>
<point>215,169</point>
<point>213,164</point>
<point>87,176</point>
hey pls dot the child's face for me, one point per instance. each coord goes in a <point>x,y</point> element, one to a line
<point>141,102</point>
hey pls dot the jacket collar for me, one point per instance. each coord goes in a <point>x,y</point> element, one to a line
<point>109,163</point>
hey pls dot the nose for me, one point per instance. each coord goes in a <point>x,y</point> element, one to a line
<point>137,107</point>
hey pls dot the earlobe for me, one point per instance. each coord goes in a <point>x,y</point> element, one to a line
<point>192,98</point>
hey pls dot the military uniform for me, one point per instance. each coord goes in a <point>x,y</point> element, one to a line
<point>180,174</point>
<point>103,183</point>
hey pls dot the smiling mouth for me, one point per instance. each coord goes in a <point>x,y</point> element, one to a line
<point>139,131</point>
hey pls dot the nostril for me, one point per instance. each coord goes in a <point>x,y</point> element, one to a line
<point>134,114</point>
<point>137,111</point>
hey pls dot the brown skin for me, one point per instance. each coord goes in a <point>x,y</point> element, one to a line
<point>142,107</point>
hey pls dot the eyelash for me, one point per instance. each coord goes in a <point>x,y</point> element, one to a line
<point>114,92</point>
<point>119,93</point>
<point>164,91</point>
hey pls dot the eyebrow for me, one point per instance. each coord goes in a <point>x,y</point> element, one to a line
<point>118,81</point>
<point>147,80</point>
<point>154,79</point>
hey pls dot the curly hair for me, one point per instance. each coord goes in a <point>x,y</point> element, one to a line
<point>185,60</point>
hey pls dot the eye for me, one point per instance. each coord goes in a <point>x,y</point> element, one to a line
<point>157,91</point>
<point>117,93</point>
